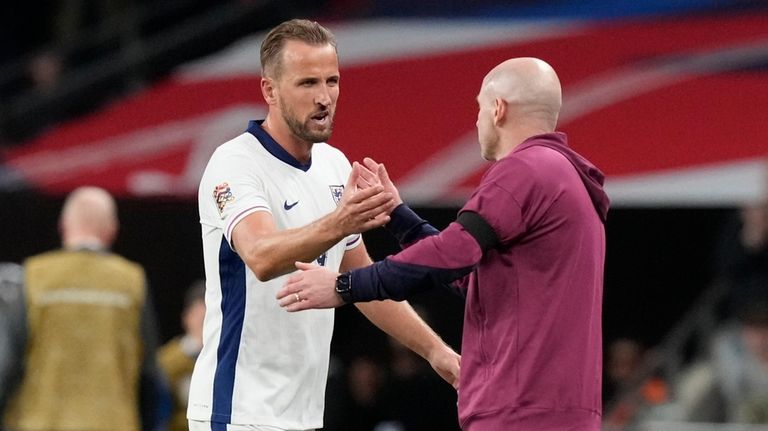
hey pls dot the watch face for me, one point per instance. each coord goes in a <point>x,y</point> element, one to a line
<point>344,287</point>
<point>342,283</point>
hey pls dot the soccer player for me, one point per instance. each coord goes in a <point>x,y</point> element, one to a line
<point>269,197</point>
<point>528,247</point>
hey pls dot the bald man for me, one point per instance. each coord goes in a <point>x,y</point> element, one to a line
<point>528,250</point>
<point>82,329</point>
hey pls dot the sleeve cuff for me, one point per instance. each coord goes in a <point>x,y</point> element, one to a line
<point>407,227</point>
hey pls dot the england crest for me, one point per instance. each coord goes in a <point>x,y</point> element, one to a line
<point>336,192</point>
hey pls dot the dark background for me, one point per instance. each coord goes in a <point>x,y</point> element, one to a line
<point>658,261</point>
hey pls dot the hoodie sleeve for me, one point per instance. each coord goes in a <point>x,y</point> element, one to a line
<point>433,261</point>
<point>439,258</point>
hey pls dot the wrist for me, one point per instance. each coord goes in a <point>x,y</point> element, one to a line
<point>331,226</point>
<point>436,350</point>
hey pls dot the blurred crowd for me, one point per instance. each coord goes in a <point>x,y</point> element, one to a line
<point>723,375</point>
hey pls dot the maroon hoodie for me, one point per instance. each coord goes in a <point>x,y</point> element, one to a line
<point>532,340</point>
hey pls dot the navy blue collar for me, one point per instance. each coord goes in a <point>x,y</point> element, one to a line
<point>269,144</point>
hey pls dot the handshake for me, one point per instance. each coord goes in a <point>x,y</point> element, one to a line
<point>369,198</point>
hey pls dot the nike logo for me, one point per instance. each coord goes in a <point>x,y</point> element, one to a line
<point>289,206</point>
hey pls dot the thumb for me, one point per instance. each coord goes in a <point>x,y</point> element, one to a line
<point>303,266</point>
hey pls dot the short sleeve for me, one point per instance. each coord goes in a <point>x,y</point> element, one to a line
<point>353,241</point>
<point>234,189</point>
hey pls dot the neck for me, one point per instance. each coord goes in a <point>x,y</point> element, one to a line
<point>74,242</point>
<point>512,138</point>
<point>301,150</point>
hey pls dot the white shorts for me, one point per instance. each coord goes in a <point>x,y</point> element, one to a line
<point>207,426</point>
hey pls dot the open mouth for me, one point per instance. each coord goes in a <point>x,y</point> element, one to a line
<point>321,117</point>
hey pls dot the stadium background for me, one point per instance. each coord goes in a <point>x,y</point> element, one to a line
<point>661,251</point>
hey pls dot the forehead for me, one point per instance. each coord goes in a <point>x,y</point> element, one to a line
<point>303,58</point>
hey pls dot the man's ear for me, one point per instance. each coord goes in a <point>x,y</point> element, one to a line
<point>268,90</point>
<point>499,111</point>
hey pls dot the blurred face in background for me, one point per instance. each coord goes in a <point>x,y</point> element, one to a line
<point>307,89</point>
<point>192,320</point>
<point>756,339</point>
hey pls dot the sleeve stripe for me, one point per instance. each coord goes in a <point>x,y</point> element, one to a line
<point>241,216</point>
<point>354,241</point>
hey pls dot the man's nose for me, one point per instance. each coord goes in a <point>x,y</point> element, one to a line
<point>323,96</point>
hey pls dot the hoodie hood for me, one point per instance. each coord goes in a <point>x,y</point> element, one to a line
<point>591,177</point>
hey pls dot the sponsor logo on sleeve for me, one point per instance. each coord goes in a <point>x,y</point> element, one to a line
<point>223,195</point>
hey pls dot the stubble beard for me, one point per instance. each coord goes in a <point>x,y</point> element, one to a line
<point>303,130</point>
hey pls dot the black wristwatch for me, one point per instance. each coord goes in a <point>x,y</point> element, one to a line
<point>344,286</point>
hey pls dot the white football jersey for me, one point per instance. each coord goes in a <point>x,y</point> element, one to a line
<point>260,364</point>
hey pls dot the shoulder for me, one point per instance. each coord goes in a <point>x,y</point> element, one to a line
<point>240,146</point>
<point>42,259</point>
<point>236,158</point>
<point>534,164</point>
<point>122,265</point>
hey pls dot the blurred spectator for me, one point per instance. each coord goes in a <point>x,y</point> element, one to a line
<point>353,396</point>
<point>74,16</point>
<point>415,398</point>
<point>44,70</point>
<point>743,256</point>
<point>740,363</point>
<point>81,315</point>
<point>177,357</point>
<point>623,360</point>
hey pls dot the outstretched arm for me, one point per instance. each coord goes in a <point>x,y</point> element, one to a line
<point>435,260</point>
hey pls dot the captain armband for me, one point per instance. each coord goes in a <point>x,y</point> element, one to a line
<point>479,229</point>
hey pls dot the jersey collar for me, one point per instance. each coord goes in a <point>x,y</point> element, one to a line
<point>269,144</point>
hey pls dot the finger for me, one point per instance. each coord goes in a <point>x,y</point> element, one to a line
<point>375,206</point>
<point>297,306</point>
<point>374,223</point>
<point>382,219</point>
<point>370,164</point>
<point>289,288</point>
<point>354,174</point>
<point>363,195</point>
<point>383,174</point>
<point>293,277</point>
<point>286,301</point>
<point>369,175</point>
